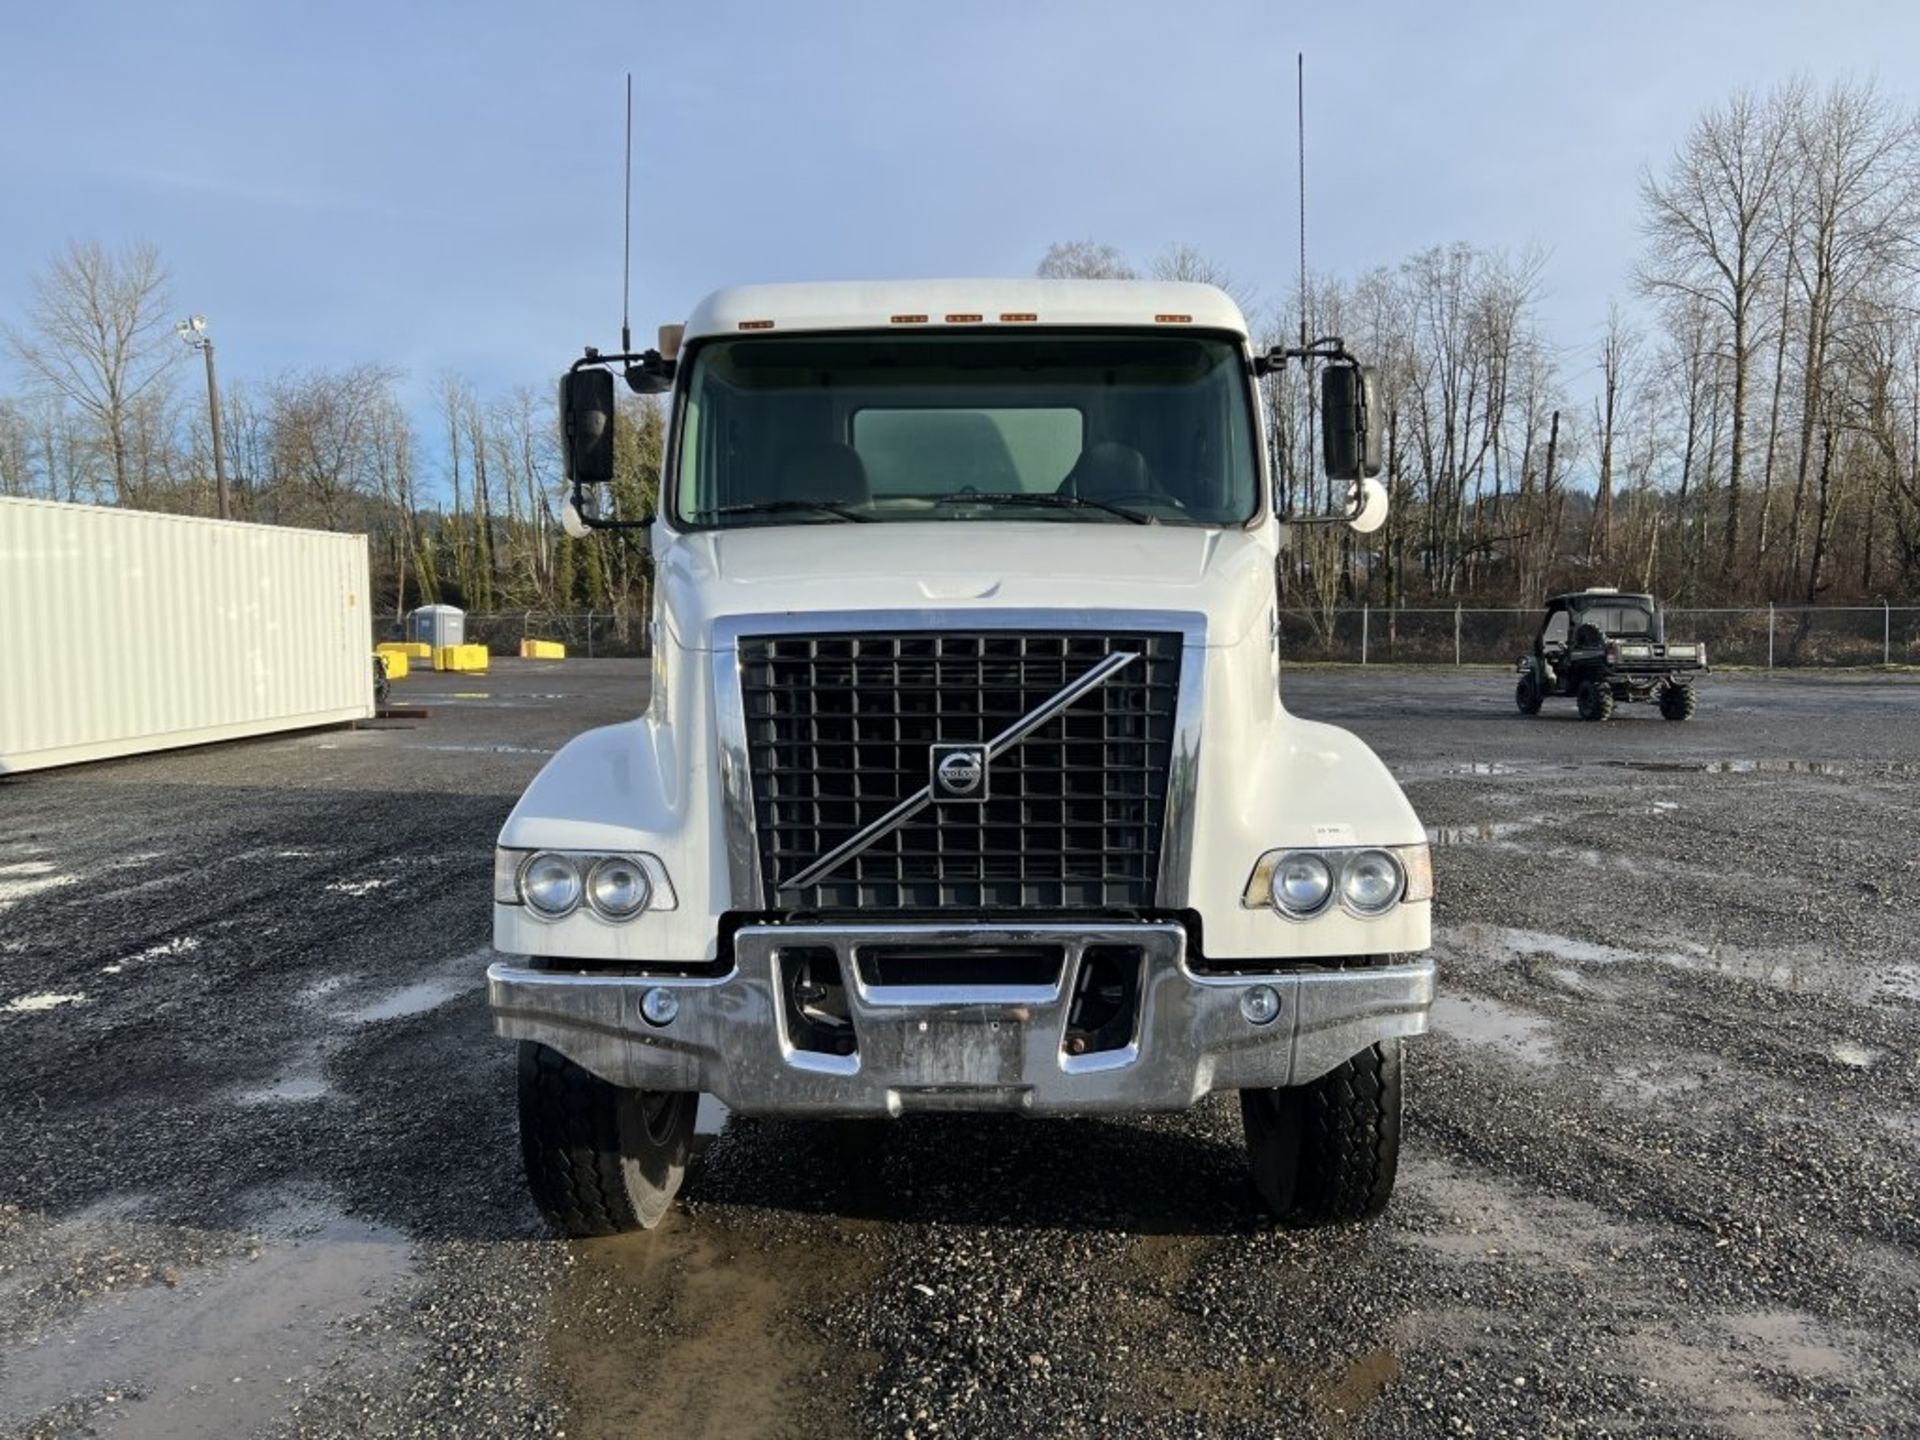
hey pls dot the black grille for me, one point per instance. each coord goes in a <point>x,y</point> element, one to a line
<point>839,730</point>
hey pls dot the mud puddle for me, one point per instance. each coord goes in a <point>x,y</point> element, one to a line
<point>700,1333</point>
<point>222,1351</point>
<point>1481,1021</point>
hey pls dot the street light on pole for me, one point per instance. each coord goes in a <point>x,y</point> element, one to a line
<point>193,330</point>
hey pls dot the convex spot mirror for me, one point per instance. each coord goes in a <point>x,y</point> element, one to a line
<point>586,425</point>
<point>1350,428</point>
<point>1369,506</point>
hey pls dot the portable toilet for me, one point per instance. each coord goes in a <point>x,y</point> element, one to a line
<point>437,625</point>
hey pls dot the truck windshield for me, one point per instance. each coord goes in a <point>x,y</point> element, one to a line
<point>1089,427</point>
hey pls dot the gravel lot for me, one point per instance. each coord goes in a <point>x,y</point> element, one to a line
<point>258,1169</point>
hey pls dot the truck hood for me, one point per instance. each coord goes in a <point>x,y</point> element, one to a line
<point>958,566</point>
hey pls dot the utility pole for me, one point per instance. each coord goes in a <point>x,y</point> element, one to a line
<point>194,332</point>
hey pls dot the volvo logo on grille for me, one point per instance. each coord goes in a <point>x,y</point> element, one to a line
<point>959,772</point>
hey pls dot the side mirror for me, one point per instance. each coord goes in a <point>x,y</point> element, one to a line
<point>1370,506</point>
<point>1349,423</point>
<point>586,425</point>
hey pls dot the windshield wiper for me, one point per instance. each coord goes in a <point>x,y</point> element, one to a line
<point>774,507</point>
<point>1051,498</point>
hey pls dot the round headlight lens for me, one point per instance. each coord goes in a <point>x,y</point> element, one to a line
<point>550,885</point>
<point>1301,883</point>
<point>1371,882</point>
<point>618,888</point>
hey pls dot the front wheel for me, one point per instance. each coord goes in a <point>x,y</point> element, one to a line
<point>1328,1151</point>
<point>1596,700</point>
<point>1526,695</point>
<point>600,1159</point>
<point>1678,702</point>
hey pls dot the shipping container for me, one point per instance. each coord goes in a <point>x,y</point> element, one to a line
<point>123,631</point>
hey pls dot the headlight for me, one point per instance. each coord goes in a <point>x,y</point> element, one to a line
<point>1302,884</point>
<point>618,888</point>
<point>1367,882</point>
<point>553,884</point>
<point>1370,882</point>
<point>550,885</point>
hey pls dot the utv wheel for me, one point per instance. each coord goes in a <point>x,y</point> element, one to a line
<point>1596,701</point>
<point>1678,702</point>
<point>1327,1151</point>
<point>1526,695</point>
<point>600,1160</point>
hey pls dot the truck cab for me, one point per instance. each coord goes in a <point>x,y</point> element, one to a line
<point>964,781</point>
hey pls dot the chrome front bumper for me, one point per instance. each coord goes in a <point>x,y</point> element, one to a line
<point>951,1047</point>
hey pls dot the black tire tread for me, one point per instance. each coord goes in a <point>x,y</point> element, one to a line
<point>1527,696</point>
<point>570,1145</point>
<point>1329,1151</point>
<point>1688,706</point>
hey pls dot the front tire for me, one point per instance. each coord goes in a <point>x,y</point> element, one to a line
<point>1526,695</point>
<point>600,1160</point>
<point>1596,700</point>
<point>1678,702</point>
<point>1328,1151</point>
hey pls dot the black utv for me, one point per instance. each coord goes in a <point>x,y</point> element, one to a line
<point>1601,647</point>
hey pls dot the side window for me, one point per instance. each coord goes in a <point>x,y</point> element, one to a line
<point>1556,631</point>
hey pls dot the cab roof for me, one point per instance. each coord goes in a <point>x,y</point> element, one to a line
<point>1601,595</point>
<point>945,304</point>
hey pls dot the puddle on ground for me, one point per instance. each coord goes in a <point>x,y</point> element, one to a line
<point>226,1351</point>
<point>1854,1057</point>
<point>1479,834</point>
<point>647,1322</point>
<point>410,1000</point>
<point>358,888</point>
<point>1481,1021</point>
<point>1668,1077</point>
<point>24,879</point>
<point>1770,766</point>
<point>710,1120</point>
<point>1482,938</point>
<point>287,1090</point>
<point>1793,1341</point>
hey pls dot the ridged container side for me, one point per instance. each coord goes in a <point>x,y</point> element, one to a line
<point>123,631</point>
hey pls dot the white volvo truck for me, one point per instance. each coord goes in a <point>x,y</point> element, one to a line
<point>965,781</point>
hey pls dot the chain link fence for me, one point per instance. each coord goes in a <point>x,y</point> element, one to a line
<point>1771,636</point>
<point>1768,636</point>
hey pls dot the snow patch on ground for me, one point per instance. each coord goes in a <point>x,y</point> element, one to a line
<point>46,1000</point>
<point>358,887</point>
<point>24,878</point>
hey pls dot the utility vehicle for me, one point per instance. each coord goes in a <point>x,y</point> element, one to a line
<point>1602,647</point>
<point>964,782</point>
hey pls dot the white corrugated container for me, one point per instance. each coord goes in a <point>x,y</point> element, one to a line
<point>123,631</point>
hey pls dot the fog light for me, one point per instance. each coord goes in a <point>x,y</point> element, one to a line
<point>1260,1004</point>
<point>660,1006</point>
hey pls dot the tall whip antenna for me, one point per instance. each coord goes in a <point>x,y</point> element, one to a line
<point>626,240</point>
<point>1300,128</point>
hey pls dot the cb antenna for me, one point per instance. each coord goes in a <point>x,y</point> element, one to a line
<point>1300,129</point>
<point>626,243</point>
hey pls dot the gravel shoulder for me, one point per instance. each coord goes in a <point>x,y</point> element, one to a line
<point>260,1173</point>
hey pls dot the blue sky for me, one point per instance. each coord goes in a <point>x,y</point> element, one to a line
<point>440,187</point>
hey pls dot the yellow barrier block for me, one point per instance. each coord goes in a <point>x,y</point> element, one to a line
<point>412,649</point>
<point>467,659</point>
<point>542,650</point>
<point>396,663</point>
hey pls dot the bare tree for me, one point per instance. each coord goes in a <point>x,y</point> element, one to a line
<point>1712,225</point>
<point>1619,350</point>
<point>1083,260</point>
<point>98,336</point>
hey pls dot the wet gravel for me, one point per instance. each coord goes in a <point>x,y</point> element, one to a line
<point>258,1172</point>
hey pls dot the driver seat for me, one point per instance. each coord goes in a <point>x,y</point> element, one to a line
<point>1107,470</point>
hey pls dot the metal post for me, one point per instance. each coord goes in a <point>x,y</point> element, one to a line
<point>1366,612</point>
<point>1456,635</point>
<point>1769,634</point>
<point>213,415</point>
<point>1886,633</point>
<point>589,634</point>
